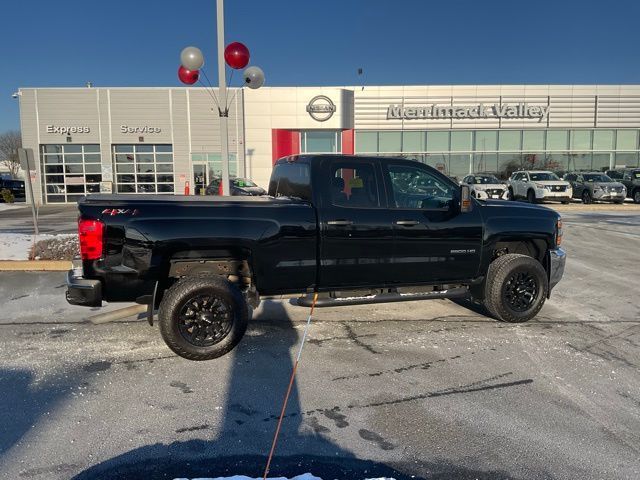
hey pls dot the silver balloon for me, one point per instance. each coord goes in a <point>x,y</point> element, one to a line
<point>191,58</point>
<point>253,77</point>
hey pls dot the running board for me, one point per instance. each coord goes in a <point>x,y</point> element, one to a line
<point>306,301</point>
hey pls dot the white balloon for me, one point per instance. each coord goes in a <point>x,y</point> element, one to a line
<point>191,58</point>
<point>253,77</point>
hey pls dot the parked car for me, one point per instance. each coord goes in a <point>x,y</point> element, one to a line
<point>239,187</point>
<point>16,187</point>
<point>595,186</point>
<point>355,230</point>
<point>539,186</point>
<point>630,178</point>
<point>486,186</point>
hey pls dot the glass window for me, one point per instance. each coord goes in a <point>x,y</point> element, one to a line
<point>390,142</point>
<point>65,166</point>
<point>485,162</point>
<point>534,161</point>
<point>437,141</point>
<point>556,162</point>
<point>580,139</point>
<point>533,140</point>
<point>461,141</point>
<point>414,141</point>
<point>601,161</point>
<point>145,163</point>
<point>603,139</point>
<point>626,159</point>
<point>557,139</point>
<point>486,140</point>
<point>366,141</point>
<point>354,185</point>
<point>414,187</point>
<point>509,140</point>
<point>579,161</point>
<point>319,141</point>
<point>459,165</point>
<point>627,140</point>
<point>291,180</point>
<point>508,163</point>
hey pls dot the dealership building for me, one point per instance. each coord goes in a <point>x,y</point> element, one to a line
<point>166,140</point>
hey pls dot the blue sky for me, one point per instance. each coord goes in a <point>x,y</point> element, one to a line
<point>310,42</point>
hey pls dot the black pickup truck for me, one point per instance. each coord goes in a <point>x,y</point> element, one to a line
<point>355,230</point>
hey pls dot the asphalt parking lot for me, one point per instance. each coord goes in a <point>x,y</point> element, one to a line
<point>414,390</point>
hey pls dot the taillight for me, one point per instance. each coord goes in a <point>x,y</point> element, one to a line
<point>90,236</point>
<point>559,232</point>
<point>220,189</point>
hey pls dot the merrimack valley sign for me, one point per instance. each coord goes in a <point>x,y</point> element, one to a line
<point>434,112</point>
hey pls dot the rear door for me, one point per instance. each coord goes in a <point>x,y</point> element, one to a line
<point>433,241</point>
<point>356,246</point>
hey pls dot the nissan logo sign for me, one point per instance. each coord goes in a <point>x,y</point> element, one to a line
<point>321,108</point>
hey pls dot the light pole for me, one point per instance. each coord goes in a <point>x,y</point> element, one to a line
<point>223,110</point>
<point>236,55</point>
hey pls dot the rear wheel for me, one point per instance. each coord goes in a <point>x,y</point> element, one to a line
<point>516,288</point>
<point>586,197</point>
<point>203,317</point>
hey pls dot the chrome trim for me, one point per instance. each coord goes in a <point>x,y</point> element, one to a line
<point>557,261</point>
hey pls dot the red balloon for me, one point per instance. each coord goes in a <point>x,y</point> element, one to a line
<point>236,55</point>
<point>188,77</point>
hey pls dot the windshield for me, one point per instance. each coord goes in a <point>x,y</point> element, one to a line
<point>636,174</point>
<point>485,180</point>
<point>243,182</point>
<point>596,177</point>
<point>543,176</point>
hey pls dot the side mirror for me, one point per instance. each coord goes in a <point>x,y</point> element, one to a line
<point>525,179</point>
<point>465,199</point>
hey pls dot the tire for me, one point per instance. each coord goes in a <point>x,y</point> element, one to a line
<point>636,196</point>
<point>619,202</point>
<point>511,195</point>
<point>586,198</point>
<point>531,196</point>
<point>501,300</point>
<point>219,311</point>
<point>565,202</point>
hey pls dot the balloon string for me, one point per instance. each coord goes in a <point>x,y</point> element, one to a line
<point>215,100</point>
<point>211,86</point>
<point>291,380</point>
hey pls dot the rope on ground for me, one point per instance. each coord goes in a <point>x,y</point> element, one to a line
<point>286,397</point>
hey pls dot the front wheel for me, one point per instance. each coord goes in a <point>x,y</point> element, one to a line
<point>586,198</point>
<point>516,288</point>
<point>531,196</point>
<point>636,196</point>
<point>203,317</point>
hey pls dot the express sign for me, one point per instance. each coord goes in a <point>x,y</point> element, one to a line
<point>434,112</point>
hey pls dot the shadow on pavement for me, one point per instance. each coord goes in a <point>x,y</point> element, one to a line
<point>258,379</point>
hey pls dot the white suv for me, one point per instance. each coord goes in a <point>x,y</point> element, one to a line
<point>538,186</point>
<point>484,186</point>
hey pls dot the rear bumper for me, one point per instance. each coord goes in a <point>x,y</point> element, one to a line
<point>81,291</point>
<point>557,261</point>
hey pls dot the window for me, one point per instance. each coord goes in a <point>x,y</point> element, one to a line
<point>366,142</point>
<point>70,171</point>
<point>486,140</point>
<point>354,185</point>
<point>603,139</point>
<point>461,141</point>
<point>509,140</point>
<point>390,142</point>
<point>580,139</point>
<point>143,168</point>
<point>557,139</point>
<point>437,141</point>
<point>319,141</point>
<point>627,140</point>
<point>533,140</point>
<point>414,187</point>
<point>291,180</point>
<point>414,141</point>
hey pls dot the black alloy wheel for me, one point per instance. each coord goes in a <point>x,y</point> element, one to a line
<point>520,291</point>
<point>205,320</point>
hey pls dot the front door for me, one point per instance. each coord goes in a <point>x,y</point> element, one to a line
<point>200,180</point>
<point>433,241</point>
<point>356,232</point>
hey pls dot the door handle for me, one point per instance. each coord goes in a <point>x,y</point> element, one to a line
<point>408,223</point>
<point>340,223</point>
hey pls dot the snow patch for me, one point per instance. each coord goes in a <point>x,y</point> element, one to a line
<point>17,246</point>
<point>11,206</point>
<point>305,476</point>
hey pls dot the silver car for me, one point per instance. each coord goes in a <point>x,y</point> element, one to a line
<point>596,186</point>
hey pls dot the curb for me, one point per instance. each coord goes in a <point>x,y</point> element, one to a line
<point>34,265</point>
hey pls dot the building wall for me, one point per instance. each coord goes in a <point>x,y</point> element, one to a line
<point>185,118</point>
